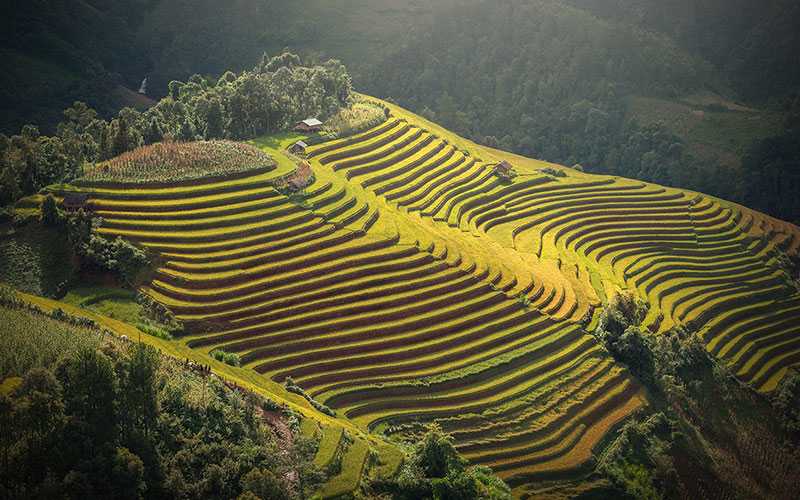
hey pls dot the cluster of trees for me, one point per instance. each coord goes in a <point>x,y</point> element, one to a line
<point>697,410</point>
<point>118,256</point>
<point>275,94</point>
<point>664,362</point>
<point>121,422</point>
<point>435,470</point>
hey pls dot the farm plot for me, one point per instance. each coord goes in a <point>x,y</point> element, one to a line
<point>411,284</point>
<point>388,334</point>
<point>697,261</point>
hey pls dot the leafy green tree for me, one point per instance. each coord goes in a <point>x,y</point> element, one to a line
<point>265,485</point>
<point>187,131</point>
<point>285,60</point>
<point>435,470</point>
<point>121,140</point>
<point>138,388</point>
<point>50,215</point>
<point>153,133</point>
<point>436,454</point>
<point>90,386</point>
<point>213,117</point>
<point>127,475</point>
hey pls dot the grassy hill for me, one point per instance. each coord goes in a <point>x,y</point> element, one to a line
<point>408,283</point>
<point>715,129</point>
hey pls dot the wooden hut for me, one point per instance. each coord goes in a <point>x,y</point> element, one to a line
<point>308,126</point>
<point>504,171</point>
<point>298,148</point>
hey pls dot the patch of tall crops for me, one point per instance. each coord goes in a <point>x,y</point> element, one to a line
<point>357,118</point>
<point>29,340</point>
<point>179,161</point>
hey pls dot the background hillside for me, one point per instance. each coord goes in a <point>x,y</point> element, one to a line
<point>692,94</point>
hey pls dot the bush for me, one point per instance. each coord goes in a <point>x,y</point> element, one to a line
<point>434,469</point>
<point>159,313</point>
<point>118,256</point>
<point>154,331</point>
<point>553,172</point>
<point>292,387</point>
<point>229,358</point>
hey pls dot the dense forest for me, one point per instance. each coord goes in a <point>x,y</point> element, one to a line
<point>553,79</point>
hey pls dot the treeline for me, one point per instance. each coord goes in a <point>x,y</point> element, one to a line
<point>92,418</point>
<point>273,95</point>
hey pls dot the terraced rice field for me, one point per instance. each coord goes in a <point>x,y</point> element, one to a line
<point>392,292</point>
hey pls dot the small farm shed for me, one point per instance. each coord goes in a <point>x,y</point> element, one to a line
<point>298,148</point>
<point>504,171</point>
<point>309,125</point>
<point>75,201</point>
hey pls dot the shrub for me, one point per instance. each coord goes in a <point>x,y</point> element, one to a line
<point>553,172</point>
<point>229,358</point>
<point>292,387</point>
<point>50,214</point>
<point>159,313</point>
<point>118,256</point>
<point>154,331</point>
<point>434,469</point>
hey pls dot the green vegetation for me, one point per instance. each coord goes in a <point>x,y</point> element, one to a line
<point>291,386</point>
<point>396,286</point>
<point>697,413</point>
<point>362,115</point>
<point>98,418</point>
<point>434,469</point>
<point>271,97</point>
<point>229,358</point>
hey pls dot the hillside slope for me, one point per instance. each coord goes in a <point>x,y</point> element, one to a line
<point>410,284</point>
